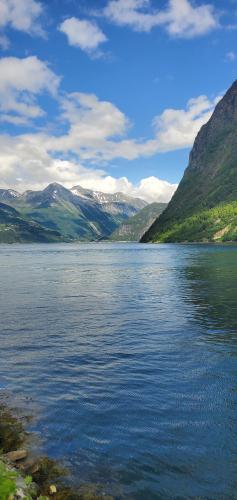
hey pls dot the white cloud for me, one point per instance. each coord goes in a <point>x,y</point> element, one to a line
<point>21,80</point>
<point>91,125</point>
<point>184,20</point>
<point>21,15</point>
<point>134,13</point>
<point>150,188</point>
<point>97,129</point>
<point>83,34</point>
<point>154,189</point>
<point>231,56</point>
<point>95,132</point>
<point>98,118</point>
<point>177,128</point>
<point>180,18</point>
<point>25,164</point>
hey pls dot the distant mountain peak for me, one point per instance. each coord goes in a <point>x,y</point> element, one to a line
<point>101,197</point>
<point>55,186</point>
<point>78,213</point>
<point>7,194</point>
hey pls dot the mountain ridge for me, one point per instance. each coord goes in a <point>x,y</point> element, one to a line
<point>210,178</point>
<point>77,213</point>
<point>134,227</point>
<point>15,229</point>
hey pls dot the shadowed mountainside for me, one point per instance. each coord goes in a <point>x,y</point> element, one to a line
<point>204,205</point>
<point>14,229</point>
<point>134,227</point>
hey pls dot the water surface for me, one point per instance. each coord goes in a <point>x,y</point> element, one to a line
<point>128,354</point>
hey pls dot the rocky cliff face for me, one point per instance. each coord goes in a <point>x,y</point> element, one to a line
<point>211,176</point>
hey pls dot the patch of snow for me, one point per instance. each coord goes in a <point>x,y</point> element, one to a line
<point>78,193</point>
<point>14,193</point>
<point>94,227</point>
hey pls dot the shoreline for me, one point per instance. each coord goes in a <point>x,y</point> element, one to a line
<point>78,242</point>
<point>29,476</point>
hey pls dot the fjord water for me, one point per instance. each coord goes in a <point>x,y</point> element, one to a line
<point>127,354</point>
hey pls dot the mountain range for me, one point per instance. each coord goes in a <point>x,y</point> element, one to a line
<point>60,214</point>
<point>204,207</point>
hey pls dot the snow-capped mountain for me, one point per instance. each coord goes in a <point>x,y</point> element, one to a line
<point>117,203</point>
<point>77,213</point>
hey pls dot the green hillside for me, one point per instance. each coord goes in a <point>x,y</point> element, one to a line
<point>209,181</point>
<point>14,229</point>
<point>133,228</point>
<point>212,225</point>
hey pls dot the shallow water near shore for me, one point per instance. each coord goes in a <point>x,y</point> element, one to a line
<point>127,355</point>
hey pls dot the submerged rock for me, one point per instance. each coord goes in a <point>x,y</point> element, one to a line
<point>14,456</point>
<point>11,431</point>
<point>35,478</point>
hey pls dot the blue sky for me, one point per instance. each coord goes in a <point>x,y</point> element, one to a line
<point>109,94</point>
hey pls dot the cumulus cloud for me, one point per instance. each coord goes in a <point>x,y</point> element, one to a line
<point>134,13</point>
<point>83,34</point>
<point>21,15</point>
<point>97,129</point>
<point>150,189</point>
<point>153,189</point>
<point>26,164</point>
<point>21,80</point>
<point>177,128</point>
<point>91,123</point>
<point>184,20</point>
<point>180,17</point>
<point>95,132</point>
<point>98,118</point>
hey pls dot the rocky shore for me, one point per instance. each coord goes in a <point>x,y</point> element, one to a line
<point>26,477</point>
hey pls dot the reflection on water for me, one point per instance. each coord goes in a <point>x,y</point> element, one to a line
<point>213,279</point>
<point>128,352</point>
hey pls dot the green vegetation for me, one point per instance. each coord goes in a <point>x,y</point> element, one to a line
<point>133,228</point>
<point>59,214</point>
<point>15,229</point>
<point>14,485</point>
<point>30,478</point>
<point>209,181</point>
<point>7,482</point>
<point>216,224</point>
